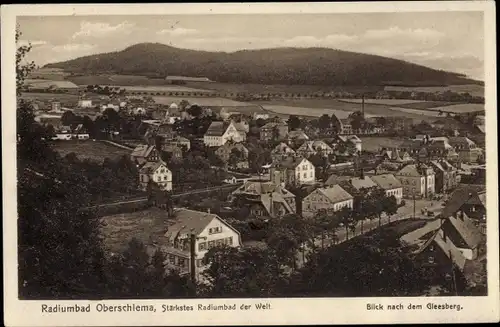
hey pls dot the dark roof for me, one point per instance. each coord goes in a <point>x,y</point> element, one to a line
<point>289,162</point>
<point>335,179</point>
<point>458,198</point>
<point>217,128</point>
<point>467,230</point>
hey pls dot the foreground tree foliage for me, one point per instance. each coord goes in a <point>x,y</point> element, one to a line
<point>365,266</point>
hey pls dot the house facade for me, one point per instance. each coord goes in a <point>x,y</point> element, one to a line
<point>418,180</point>
<point>220,132</point>
<point>467,150</point>
<point>225,153</point>
<point>329,198</point>
<point>446,175</point>
<point>390,184</point>
<point>293,171</point>
<point>208,230</point>
<point>144,153</point>
<point>273,131</point>
<point>155,172</point>
<point>316,147</point>
<point>264,199</point>
<point>281,151</point>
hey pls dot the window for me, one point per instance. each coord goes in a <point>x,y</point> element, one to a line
<point>305,175</point>
<point>182,262</point>
<point>230,240</point>
<point>430,259</point>
<point>171,259</point>
<point>311,174</point>
<point>210,244</point>
<point>202,246</point>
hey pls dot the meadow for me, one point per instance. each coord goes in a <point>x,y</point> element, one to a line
<point>93,150</point>
<point>145,225</point>
<point>50,96</point>
<point>160,88</point>
<point>316,107</point>
<point>216,102</point>
<point>389,102</point>
<point>472,89</point>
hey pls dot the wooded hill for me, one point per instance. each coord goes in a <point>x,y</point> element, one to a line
<point>290,66</point>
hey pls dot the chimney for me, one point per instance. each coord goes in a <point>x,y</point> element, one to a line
<point>363,105</point>
<point>208,210</point>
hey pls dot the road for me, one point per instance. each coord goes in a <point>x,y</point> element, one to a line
<point>403,213</point>
<point>197,191</point>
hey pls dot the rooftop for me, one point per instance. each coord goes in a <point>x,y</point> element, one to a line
<point>335,193</point>
<point>386,181</point>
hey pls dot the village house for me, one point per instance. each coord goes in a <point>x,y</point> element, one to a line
<point>332,197</point>
<point>447,177</point>
<point>233,154</point>
<point>345,127</point>
<point>84,103</point>
<point>155,172</point>
<point>297,137</point>
<point>316,147</point>
<point>469,200</point>
<point>281,151</point>
<point>336,179</point>
<point>351,141</point>
<point>264,199</point>
<point>219,133</point>
<point>274,131</point>
<point>179,141</point>
<point>467,150</point>
<point>395,155</point>
<point>293,171</point>
<point>144,153</point>
<point>172,150</point>
<point>433,249</point>
<point>418,180</point>
<point>206,230</point>
<point>390,184</point>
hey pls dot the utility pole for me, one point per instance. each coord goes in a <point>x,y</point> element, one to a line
<point>453,275</point>
<point>193,260</point>
<point>414,205</point>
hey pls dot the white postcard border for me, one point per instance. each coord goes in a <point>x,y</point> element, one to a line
<point>283,311</point>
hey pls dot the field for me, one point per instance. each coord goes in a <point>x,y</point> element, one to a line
<point>49,96</point>
<point>94,150</point>
<point>317,107</point>
<point>146,226</point>
<point>215,102</point>
<point>461,108</point>
<point>53,74</point>
<point>389,102</point>
<point>375,143</point>
<point>160,88</point>
<point>472,89</point>
<point>426,104</point>
<point>46,83</point>
<point>308,112</point>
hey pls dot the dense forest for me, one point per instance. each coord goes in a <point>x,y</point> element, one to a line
<point>288,66</point>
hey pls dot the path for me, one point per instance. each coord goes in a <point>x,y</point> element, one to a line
<point>118,145</point>
<point>143,199</point>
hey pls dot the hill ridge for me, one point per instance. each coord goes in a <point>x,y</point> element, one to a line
<point>287,65</point>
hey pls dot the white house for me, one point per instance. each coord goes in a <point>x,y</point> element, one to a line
<point>220,132</point>
<point>84,103</point>
<point>329,198</point>
<point>390,184</point>
<point>158,173</point>
<point>293,171</point>
<point>209,231</point>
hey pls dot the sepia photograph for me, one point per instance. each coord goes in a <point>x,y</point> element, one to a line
<point>218,156</point>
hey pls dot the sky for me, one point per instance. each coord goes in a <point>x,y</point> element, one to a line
<point>451,41</point>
